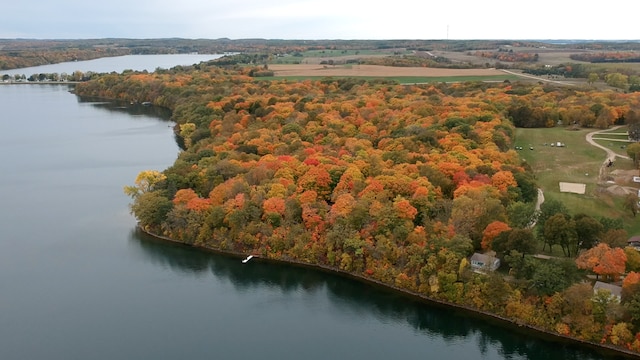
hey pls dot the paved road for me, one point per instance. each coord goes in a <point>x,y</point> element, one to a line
<point>539,78</point>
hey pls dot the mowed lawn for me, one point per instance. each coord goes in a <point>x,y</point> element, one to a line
<point>577,162</point>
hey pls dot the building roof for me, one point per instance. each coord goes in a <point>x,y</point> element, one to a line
<point>483,258</point>
<point>615,290</point>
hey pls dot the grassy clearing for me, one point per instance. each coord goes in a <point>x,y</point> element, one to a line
<point>616,140</point>
<point>615,67</point>
<point>315,56</point>
<point>401,79</point>
<point>576,162</point>
<point>619,147</point>
<point>337,53</point>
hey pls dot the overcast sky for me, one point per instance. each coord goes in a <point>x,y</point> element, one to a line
<point>321,19</point>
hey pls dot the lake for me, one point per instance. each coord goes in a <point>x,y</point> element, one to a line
<point>117,64</point>
<point>77,281</point>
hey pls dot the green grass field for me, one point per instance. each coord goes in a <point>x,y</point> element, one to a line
<point>317,55</point>
<point>577,162</point>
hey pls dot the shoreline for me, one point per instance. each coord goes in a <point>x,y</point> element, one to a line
<point>479,314</point>
<point>38,82</point>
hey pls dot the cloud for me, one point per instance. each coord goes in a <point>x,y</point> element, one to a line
<point>315,19</point>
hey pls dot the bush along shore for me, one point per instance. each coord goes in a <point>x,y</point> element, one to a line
<point>396,184</point>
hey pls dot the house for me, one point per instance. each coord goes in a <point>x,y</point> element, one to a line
<point>614,290</point>
<point>483,262</point>
<point>634,242</point>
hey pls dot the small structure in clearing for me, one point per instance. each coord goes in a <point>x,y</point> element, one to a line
<point>576,188</point>
<point>482,262</point>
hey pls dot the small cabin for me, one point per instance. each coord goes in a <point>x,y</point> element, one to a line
<point>634,242</point>
<point>484,262</point>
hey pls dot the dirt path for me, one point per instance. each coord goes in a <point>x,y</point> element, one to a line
<point>611,155</point>
<point>539,78</point>
<point>539,202</point>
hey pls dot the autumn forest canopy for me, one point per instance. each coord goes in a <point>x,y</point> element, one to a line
<point>399,184</point>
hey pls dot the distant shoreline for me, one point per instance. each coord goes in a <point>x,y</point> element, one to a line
<point>511,324</point>
<point>38,82</point>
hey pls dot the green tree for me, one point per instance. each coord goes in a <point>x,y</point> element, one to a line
<point>611,223</point>
<point>633,150</point>
<point>151,208</point>
<point>549,278</point>
<point>588,230</point>
<point>549,208</point>
<point>631,203</point>
<point>593,77</point>
<point>617,80</point>
<point>561,229</point>
<point>521,215</point>
<point>632,306</point>
<point>527,186</point>
<point>606,308</point>
<point>519,240</point>
<point>633,259</point>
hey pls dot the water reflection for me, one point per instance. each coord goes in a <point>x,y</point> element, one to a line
<point>452,326</point>
<point>135,109</point>
<point>184,259</point>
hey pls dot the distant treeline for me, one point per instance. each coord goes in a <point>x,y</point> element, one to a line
<point>607,57</point>
<point>17,53</point>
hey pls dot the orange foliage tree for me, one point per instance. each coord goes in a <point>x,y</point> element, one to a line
<point>603,260</point>
<point>491,231</point>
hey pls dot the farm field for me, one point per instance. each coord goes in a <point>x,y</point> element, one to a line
<point>576,162</point>
<point>375,70</point>
<point>413,74</point>
<point>403,79</point>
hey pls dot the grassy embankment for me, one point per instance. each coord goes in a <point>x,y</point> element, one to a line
<point>577,162</point>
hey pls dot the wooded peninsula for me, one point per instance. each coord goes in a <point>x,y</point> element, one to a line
<point>416,186</point>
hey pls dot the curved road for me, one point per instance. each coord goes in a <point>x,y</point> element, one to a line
<point>611,155</point>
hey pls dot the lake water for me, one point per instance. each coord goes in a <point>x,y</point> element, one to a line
<point>78,282</point>
<point>117,64</point>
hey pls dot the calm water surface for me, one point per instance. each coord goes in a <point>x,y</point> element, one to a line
<point>117,64</point>
<point>78,282</point>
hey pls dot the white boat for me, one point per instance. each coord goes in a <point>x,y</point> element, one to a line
<point>247,259</point>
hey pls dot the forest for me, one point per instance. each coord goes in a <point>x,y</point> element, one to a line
<point>398,184</point>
